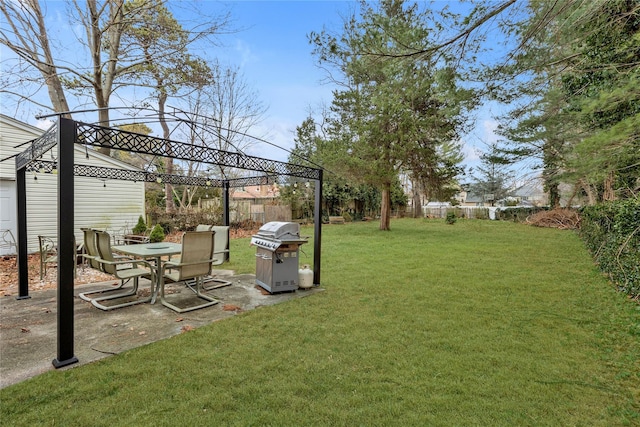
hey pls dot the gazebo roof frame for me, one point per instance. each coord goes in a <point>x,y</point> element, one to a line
<point>66,132</point>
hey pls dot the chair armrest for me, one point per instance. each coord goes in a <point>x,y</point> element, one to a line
<point>126,261</point>
<point>171,265</point>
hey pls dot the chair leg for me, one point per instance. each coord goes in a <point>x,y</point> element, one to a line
<point>97,302</point>
<point>218,283</point>
<point>209,301</point>
<point>108,293</point>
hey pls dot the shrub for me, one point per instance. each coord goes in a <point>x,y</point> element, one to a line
<point>611,231</point>
<point>157,234</point>
<point>451,218</point>
<point>184,221</point>
<point>481,213</point>
<point>140,227</point>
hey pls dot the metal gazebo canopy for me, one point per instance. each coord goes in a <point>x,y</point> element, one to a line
<point>67,132</point>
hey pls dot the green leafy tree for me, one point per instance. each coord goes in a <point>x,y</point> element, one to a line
<point>339,195</point>
<point>394,114</point>
<point>167,67</point>
<point>603,95</point>
<point>576,79</point>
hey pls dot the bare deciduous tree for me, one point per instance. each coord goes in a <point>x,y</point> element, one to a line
<point>222,113</point>
<point>24,32</point>
<point>108,63</point>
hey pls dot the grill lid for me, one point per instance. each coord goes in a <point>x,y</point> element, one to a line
<point>273,234</point>
<point>279,230</point>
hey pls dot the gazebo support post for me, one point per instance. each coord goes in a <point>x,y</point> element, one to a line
<point>225,214</point>
<point>66,243</point>
<point>317,229</point>
<point>21,213</point>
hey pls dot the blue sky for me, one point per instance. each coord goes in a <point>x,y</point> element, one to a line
<point>274,56</point>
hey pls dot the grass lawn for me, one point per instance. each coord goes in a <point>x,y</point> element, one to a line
<point>477,323</point>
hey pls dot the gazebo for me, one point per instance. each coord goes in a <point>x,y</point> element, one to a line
<point>67,132</point>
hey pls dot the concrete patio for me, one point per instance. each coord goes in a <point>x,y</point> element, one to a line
<point>28,328</point>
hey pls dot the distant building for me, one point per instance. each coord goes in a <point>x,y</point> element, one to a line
<point>257,192</point>
<point>249,202</point>
<point>252,203</point>
<point>532,194</point>
<point>529,194</point>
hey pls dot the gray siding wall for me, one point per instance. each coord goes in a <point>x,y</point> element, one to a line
<point>113,205</point>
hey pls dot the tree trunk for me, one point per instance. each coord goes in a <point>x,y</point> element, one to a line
<point>385,207</point>
<point>417,202</point>
<point>55,89</point>
<point>169,205</point>
<point>417,207</point>
<point>590,193</point>
<point>38,54</point>
<point>554,196</point>
<point>609,193</point>
<point>103,120</point>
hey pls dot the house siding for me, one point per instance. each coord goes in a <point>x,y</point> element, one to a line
<point>110,204</point>
<point>13,133</point>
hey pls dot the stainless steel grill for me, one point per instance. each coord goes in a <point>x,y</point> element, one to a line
<point>278,245</point>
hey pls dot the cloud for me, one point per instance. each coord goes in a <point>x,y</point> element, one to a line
<point>489,128</point>
<point>279,133</point>
<point>245,53</point>
<point>470,153</point>
<point>44,124</point>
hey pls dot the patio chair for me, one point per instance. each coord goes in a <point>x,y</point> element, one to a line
<point>7,242</point>
<point>92,257</point>
<point>220,251</point>
<point>119,236</point>
<point>195,263</point>
<point>123,269</point>
<point>199,227</point>
<point>48,254</point>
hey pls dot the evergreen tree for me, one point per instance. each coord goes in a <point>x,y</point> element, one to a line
<point>493,180</point>
<point>395,114</point>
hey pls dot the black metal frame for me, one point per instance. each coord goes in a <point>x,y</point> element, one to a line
<point>65,133</point>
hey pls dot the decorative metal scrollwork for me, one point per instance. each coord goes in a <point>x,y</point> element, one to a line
<point>99,136</point>
<point>38,147</point>
<point>45,166</point>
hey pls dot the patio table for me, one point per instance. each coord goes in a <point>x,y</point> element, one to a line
<point>150,250</point>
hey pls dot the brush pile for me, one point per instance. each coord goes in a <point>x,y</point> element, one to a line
<point>563,219</point>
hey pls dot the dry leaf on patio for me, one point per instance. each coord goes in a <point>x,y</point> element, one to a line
<point>187,328</point>
<point>24,330</point>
